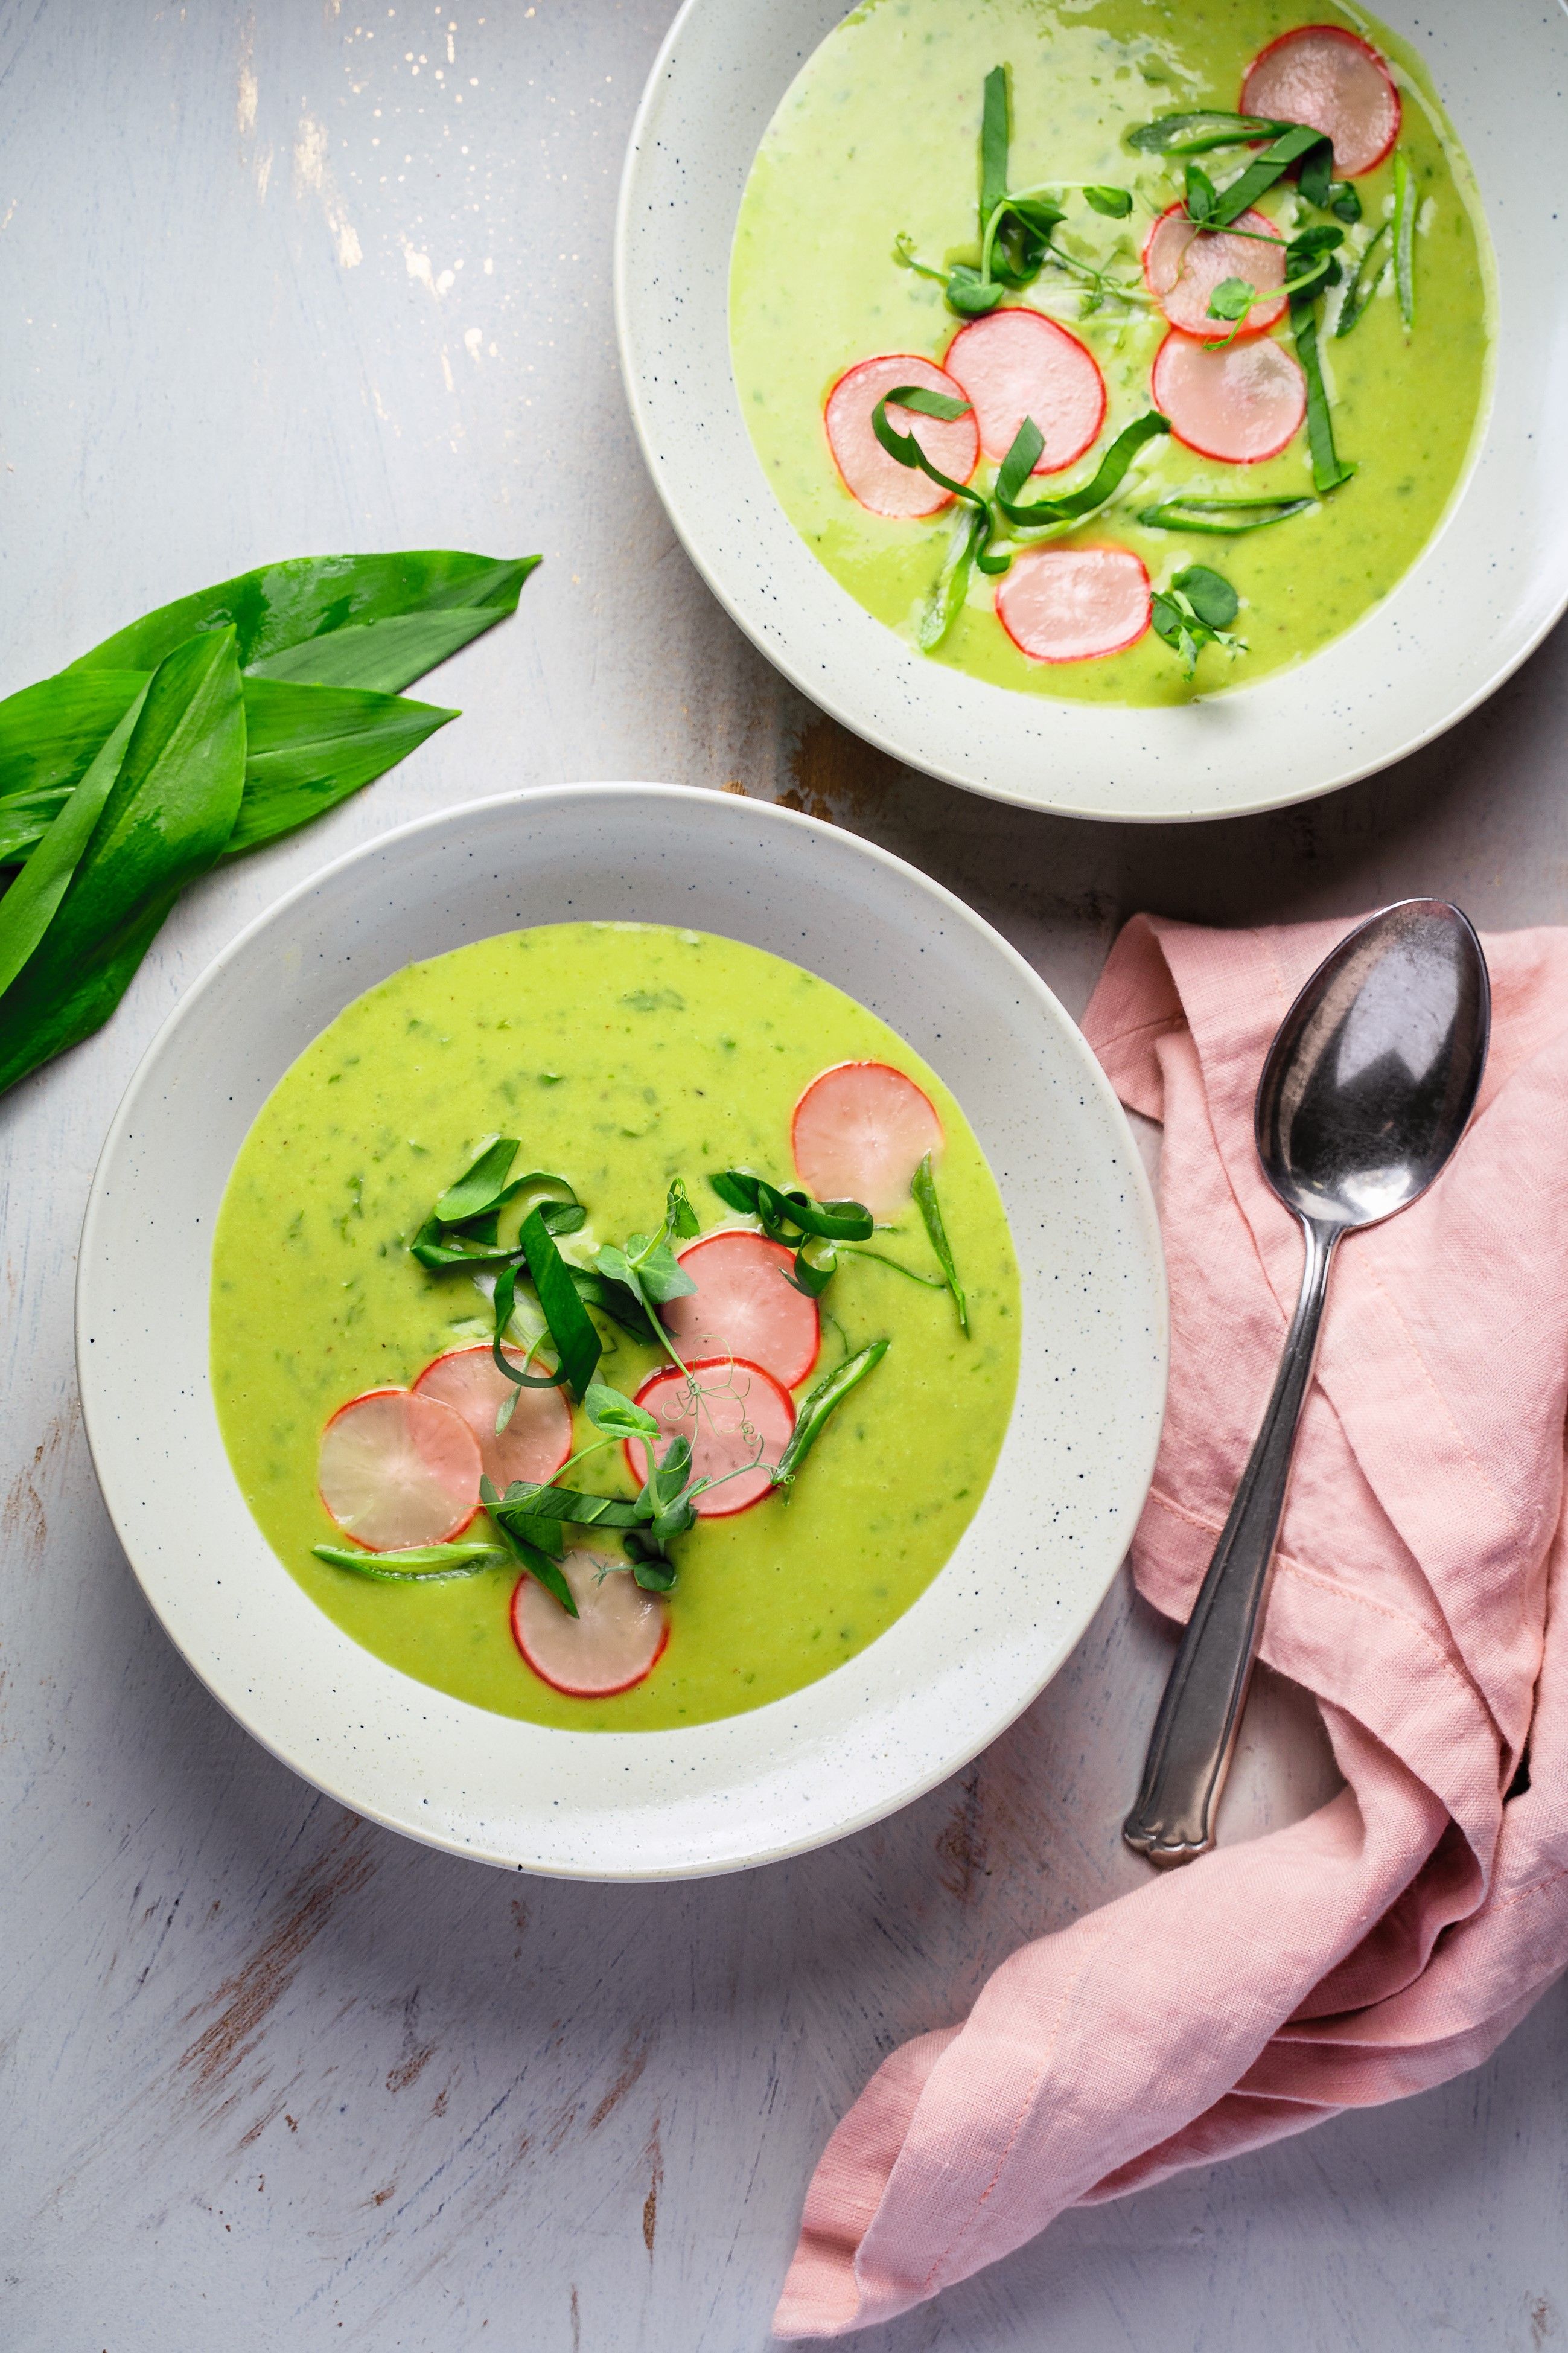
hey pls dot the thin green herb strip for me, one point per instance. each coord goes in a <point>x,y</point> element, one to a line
<point>1208,515</point>
<point>577,1344</point>
<point>817,1408</point>
<point>1329,471</point>
<point>1369,275</point>
<point>1028,444</point>
<point>1404,211</point>
<point>1195,134</point>
<point>422,1565</point>
<point>925,1191</point>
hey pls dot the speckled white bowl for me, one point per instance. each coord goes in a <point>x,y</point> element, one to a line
<point>1031,1570</point>
<point>1479,599</point>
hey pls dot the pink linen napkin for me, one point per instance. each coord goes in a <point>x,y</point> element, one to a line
<point>1391,1939</point>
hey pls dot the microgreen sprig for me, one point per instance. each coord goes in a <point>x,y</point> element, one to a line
<point>1195,611</point>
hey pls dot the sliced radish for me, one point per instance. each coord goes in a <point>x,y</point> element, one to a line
<point>738,1415</point>
<point>397,1470</point>
<point>1017,363</point>
<point>616,1638</point>
<point>1183,265</point>
<point>870,474</point>
<point>743,1306</point>
<point>860,1132</point>
<point>535,1441</point>
<point>1243,404</point>
<point>1330,78</point>
<point>1074,604</point>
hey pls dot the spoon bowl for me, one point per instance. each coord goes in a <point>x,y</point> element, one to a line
<point>1374,1071</point>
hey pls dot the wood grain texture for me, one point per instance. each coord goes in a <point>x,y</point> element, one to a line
<point>315,276</point>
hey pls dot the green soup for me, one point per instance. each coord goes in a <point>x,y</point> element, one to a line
<point>877,139</point>
<point>621,1055</point>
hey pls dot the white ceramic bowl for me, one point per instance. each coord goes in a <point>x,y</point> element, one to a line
<point>1035,1561</point>
<point>1479,599</point>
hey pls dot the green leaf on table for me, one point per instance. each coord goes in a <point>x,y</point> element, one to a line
<point>29,907</point>
<point>309,747</point>
<point>168,815</point>
<point>292,608</point>
<point>50,733</point>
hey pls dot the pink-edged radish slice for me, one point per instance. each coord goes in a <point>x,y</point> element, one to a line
<point>870,474</point>
<point>399,1469</point>
<point>1183,265</point>
<point>535,1441</point>
<point>1329,77</point>
<point>616,1639</point>
<point>734,1414</point>
<point>860,1132</point>
<point>1017,363</point>
<point>1242,404</point>
<point>744,1306</point>
<point>1074,604</point>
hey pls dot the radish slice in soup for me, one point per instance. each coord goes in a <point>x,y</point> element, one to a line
<point>1243,404</point>
<point>860,1132</point>
<point>1016,364</point>
<point>1183,265</point>
<point>744,1306</point>
<point>1073,604</point>
<point>1330,78</point>
<point>738,1417</point>
<point>616,1638</point>
<point>535,1441</point>
<point>870,475</point>
<point>399,1470</point>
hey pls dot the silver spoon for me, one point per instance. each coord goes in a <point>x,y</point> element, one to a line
<point>1365,1093</point>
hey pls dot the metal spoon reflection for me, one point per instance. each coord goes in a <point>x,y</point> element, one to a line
<point>1364,1094</point>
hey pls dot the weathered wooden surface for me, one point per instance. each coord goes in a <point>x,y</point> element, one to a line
<point>272,2076</point>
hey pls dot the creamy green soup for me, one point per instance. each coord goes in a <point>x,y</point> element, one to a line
<point>877,139</point>
<point>622,1055</point>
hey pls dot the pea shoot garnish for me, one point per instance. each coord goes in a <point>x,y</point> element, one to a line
<point>824,1402</point>
<point>1404,211</point>
<point>1197,610</point>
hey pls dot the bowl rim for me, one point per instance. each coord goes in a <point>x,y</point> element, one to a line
<point>907,747</point>
<point>226,1682</point>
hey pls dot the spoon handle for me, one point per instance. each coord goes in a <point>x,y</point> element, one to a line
<point>1200,1714</point>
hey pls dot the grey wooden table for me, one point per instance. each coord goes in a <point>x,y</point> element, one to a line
<point>319,275</point>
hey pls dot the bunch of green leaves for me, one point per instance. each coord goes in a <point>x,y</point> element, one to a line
<point>813,1229</point>
<point>1197,610</point>
<point>206,728</point>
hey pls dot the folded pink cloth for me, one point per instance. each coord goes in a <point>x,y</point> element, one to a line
<point>1394,1937</point>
